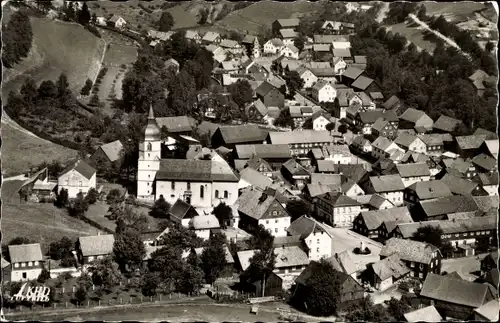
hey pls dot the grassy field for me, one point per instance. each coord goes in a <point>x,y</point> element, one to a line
<point>413,34</point>
<point>57,47</point>
<point>42,222</point>
<point>455,11</point>
<point>251,18</point>
<point>21,151</point>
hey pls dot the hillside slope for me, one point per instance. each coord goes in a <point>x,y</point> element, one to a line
<point>57,47</point>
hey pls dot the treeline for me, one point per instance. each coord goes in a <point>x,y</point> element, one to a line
<point>437,84</point>
<point>17,37</point>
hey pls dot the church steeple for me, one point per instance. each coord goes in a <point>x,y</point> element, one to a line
<point>152,130</point>
<point>151,112</point>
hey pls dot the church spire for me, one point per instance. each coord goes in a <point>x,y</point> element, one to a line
<point>151,115</point>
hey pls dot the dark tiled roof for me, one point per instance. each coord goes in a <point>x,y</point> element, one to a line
<point>180,210</point>
<point>352,73</point>
<point>454,291</point>
<point>305,226</point>
<point>371,116</point>
<point>412,115</point>
<point>298,137</point>
<point>409,250</point>
<point>25,253</point>
<point>391,266</point>
<point>362,82</point>
<point>430,189</point>
<point>264,89</point>
<point>294,168</point>
<point>242,134</point>
<point>343,262</point>
<point>489,135</point>
<point>484,161</point>
<point>336,199</point>
<point>457,185</point>
<point>195,170</point>
<point>449,204</point>
<point>374,219</point>
<point>412,170</point>
<point>405,140</point>
<point>432,139</point>
<point>387,183</point>
<point>264,151</point>
<point>252,204</point>
<point>470,142</point>
<point>177,124</point>
<point>486,203</point>
<point>112,150</point>
<point>391,102</point>
<point>82,168</point>
<point>446,123</point>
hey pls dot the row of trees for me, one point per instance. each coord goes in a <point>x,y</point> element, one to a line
<point>17,36</point>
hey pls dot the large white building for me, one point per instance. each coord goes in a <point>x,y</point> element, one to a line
<point>316,236</point>
<point>26,262</point>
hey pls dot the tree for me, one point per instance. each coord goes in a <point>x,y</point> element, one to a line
<point>62,85</point>
<point>181,238</point>
<point>127,218</point>
<point>29,91</point>
<point>149,284</point>
<point>94,100</point>
<point>182,94</point>
<point>284,119</point>
<point>297,208</point>
<point>213,257</point>
<point>47,90</point>
<point>365,310</point>
<point>17,37</point>
<point>422,13</point>
<point>241,92</point>
<point>223,213</point>
<point>293,82</point>
<point>44,5</point>
<point>44,276</point>
<point>81,294</point>
<point>489,47</point>
<point>16,105</point>
<point>160,208</point>
<point>399,307</point>
<point>93,19</point>
<point>84,14</point>
<point>191,279</point>
<point>115,196</point>
<point>168,262</point>
<point>60,249</point>
<point>342,129</point>
<point>105,272</point>
<point>92,196</point>
<point>429,234</point>
<point>321,293</point>
<point>203,15</point>
<point>62,198</point>
<point>299,42</point>
<point>78,206</point>
<point>330,127</point>
<point>128,250</point>
<point>166,21</point>
<point>308,124</point>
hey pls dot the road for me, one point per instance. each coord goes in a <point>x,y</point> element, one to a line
<point>464,266</point>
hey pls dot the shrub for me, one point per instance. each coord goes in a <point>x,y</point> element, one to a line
<point>91,196</point>
<point>44,276</point>
<point>93,30</point>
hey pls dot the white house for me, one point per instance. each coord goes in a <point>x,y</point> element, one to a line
<point>383,147</point>
<point>203,223</point>
<point>118,22</point>
<point>339,65</point>
<point>79,177</point>
<point>390,187</point>
<point>273,46</point>
<point>307,76</point>
<point>323,91</point>
<point>488,181</point>
<point>290,51</point>
<point>362,144</point>
<point>412,173</point>
<point>337,209</point>
<point>320,119</point>
<point>288,36</point>
<point>317,238</point>
<point>26,262</point>
<point>411,142</point>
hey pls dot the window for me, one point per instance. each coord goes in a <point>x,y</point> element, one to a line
<point>148,155</point>
<point>188,186</point>
<point>202,192</point>
<point>317,241</point>
<point>412,264</point>
<point>173,185</point>
<point>421,266</point>
<point>216,194</point>
<point>421,275</point>
<point>16,265</point>
<point>276,221</point>
<point>81,183</point>
<point>23,264</point>
<point>149,146</point>
<point>276,230</point>
<point>275,213</point>
<point>36,263</point>
<point>24,276</point>
<point>317,249</point>
<point>226,195</point>
<point>148,184</point>
<point>267,221</point>
<point>149,176</point>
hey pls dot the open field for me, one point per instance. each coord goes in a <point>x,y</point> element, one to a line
<point>57,47</point>
<point>21,151</point>
<point>455,11</point>
<point>414,34</point>
<point>42,222</point>
<point>250,19</point>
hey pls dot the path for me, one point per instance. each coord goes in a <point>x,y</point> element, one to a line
<point>382,12</point>
<point>438,34</point>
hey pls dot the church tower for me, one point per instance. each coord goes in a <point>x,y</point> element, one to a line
<point>149,158</point>
<point>256,48</point>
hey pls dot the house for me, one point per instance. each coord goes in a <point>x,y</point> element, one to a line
<point>257,111</point>
<point>443,207</point>
<point>317,238</point>
<point>485,163</point>
<point>445,124</point>
<point>422,258</point>
<point>412,118</point>
<point>338,65</point>
<point>425,314</point>
<point>181,125</point>
<point>230,136</point>
<point>78,177</point>
<point>368,223</point>
<point>383,148</point>
<point>338,154</point>
<point>488,311</point>
<point>327,74</point>
<point>219,54</point>
<point>468,146</point>
<point>295,173</point>
<point>26,262</point>
<point>341,52</point>
<point>373,202</point>
<point>288,36</point>
<point>279,24</point>
<point>490,148</point>
<point>299,142</point>
<point>275,155</point>
<point>193,35</point>
<point>290,260</point>
<point>350,290</point>
<point>117,22</point>
<point>92,248</point>
<point>273,46</point>
<point>462,186</point>
<point>384,128</point>
<point>307,76</point>
<point>350,75</point>
<point>199,182</point>
<point>259,164</point>
<point>365,84</point>
<point>320,119</point>
<point>454,298</point>
<point>487,204</point>
<point>250,177</point>
<point>211,38</point>
<point>488,182</point>
<point>258,208</point>
<point>300,114</point>
<point>106,154</point>
<point>412,173</point>
<point>270,95</point>
<point>390,187</point>
<point>377,97</point>
<point>425,190</point>
<point>434,143</point>
<point>477,79</point>
<point>202,224</point>
<point>182,213</point>
<point>231,46</point>
<point>384,273</point>
<point>393,103</point>
<point>361,144</point>
<point>289,50</point>
<point>337,209</point>
<point>323,91</point>
<point>458,167</point>
<point>366,119</point>
<point>343,262</point>
<point>489,262</point>
<point>410,143</point>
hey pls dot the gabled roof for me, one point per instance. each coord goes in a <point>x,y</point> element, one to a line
<point>176,124</point>
<point>321,47</point>
<point>430,189</point>
<point>5,263</point>
<point>229,43</point>
<point>370,116</point>
<point>425,314</point>
<point>486,203</point>
<point>249,39</point>
<point>265,88</point>
<point>25,253</point>
<point>253,204</point>
<point>318,86</point>
<point>485,179</point>
<point>433,139</point>
<point>478,75</point>
<point>343,262</point>
<point>446,123</point>
<point>317,65</point>
<point>362,82</point>
<point>289,256</point>
<point>337,199</point>
<point>413,170</point>
<point>489,135</point>
<point>292,22</point>
<point>305,226</point>
<point>409,250</point>
<point>204,222</point>
<point>454,291</point>
<point>360,59</point>
<point>391,102</point>
<point>229,257</point>
<point>490,310</point>
<point>294,168</point>
<point>288,33</point>
<point>448,204</point>
<point>405,139</point>
<point>389,267</point>
<point>276,42</point>
<point>112,150</point>
<point>458,185</point>
<point>196,170</point>
<point>492,147</point>
<point>297,137</point>
<point>210,36</point>
<point>323,72</point>
<point>254,178</point>
<point>380,124</point>
<point>470,142</point>
<point>352,73</point>
<point>484,161</point>
<point>80,167</point>
<point>242,134</point>
<point>181,210</point>
<point>387,183</point>
<point>412,115</point>
<point>97,245</point>
<point>306,273</point>
<point>341,52</point>
<point>263,151</point>
<point>374,219</point>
